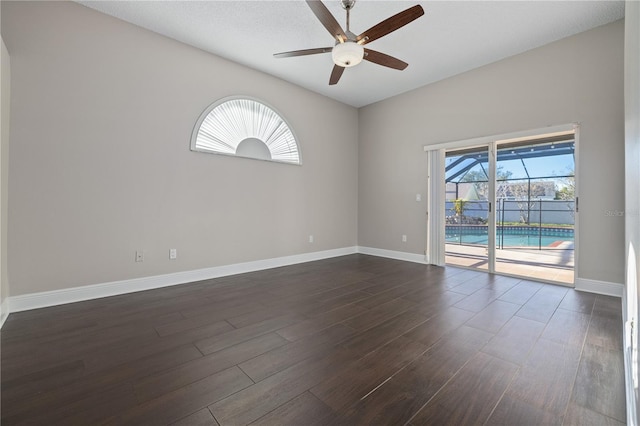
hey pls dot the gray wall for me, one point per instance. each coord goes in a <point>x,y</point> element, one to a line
<point>101,120</point>
<point>577,79</point>
<point>632,199</point>
<point>5,98</point>
<point>102,112</point>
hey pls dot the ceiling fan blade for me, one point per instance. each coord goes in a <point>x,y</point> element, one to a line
<point>303,52</point>
<point>327,19</point>
<point>335,74</point>
<point>391,24</point>
<point>384,60</point>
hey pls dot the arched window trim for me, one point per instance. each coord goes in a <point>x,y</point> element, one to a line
<point>210,108</point>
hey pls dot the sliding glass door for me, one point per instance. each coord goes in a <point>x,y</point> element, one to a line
<point>510,206</point>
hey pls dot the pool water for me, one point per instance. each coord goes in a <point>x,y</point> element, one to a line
<point>517,237</point>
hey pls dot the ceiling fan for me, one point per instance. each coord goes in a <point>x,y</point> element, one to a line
<point>348,50</point>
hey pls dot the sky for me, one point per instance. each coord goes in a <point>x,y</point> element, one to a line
<point>537,167</point>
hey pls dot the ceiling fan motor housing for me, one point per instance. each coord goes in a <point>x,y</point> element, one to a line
<point>348,4</point>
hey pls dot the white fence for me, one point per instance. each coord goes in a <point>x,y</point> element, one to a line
<point>560,212</point>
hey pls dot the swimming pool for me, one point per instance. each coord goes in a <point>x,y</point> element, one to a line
<point>509,236</point>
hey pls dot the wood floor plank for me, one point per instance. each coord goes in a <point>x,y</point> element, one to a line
<point>96,383</point>
<point>543,304</point>
<point>199,418</point>
<point>181,402</point>
<point>478,300</point>
<point>306,284</point>
<point>135,348</point>
<point>382,334</point>
<point>469,287</point>
<point>494,316</point>
<point>433,298</point>
<point>438,304</point>
<point>513,411</point>
<point>543,384</point>
<point>214,316</point>
<point>255,401</point>
<point>367,374</point>
<point>78,344</point>
<point>337,302</point>
<point>234,293</point>
<point>469,398</point>
<point>397,400</point>
<point>28,323</point>
<point>42,381</point>
<point>392,293</point>
<point>207,306</point>
<point>306,290</point>
<point>376,300</point>
<point>260,315</point>
<point>278,359</point>
<point>432,330</point>
<point>304,409</point>
<point>387,281</point>
<point>607,306</point>
<point>515,340</point>
<point>521,292</point>
<point>582,416</point>
<point>59,329</point>
<point>599,384</point>
<point>378,340</point>
<point>239,335</point>
<point>155,385</point>
<point>90,408</point>
<point>458,276</point>
<point>567,327</point>
<point>605,331</point>
<point>329,291</point>
<point>578,301</point>
<point>320,322</point>
<point>379,314</point>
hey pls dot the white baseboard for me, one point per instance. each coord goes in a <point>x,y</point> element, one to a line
<point>4,311</point>
<point>599,287</point>
<point>77,294</point>
<point>392,254</point>
<point>96,291</point>
<point>630,392</point>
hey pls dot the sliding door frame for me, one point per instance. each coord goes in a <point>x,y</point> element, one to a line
<point>436,188</point>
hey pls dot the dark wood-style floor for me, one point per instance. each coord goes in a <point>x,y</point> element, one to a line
<point>349,340</point>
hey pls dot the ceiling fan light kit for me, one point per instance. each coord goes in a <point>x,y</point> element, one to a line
<point>348,50</point>
<point>347,54</point>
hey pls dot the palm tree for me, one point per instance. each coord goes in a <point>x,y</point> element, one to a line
<point>459,205</point>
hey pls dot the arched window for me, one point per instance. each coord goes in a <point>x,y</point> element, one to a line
<point>245,127</point>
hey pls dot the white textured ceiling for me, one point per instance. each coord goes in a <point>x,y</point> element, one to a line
<point>452,37</point>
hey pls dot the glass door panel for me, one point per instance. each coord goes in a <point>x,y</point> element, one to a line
<point>535,210</point>
<point>467,208</point>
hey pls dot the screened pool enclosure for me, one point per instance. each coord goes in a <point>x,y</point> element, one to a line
<point>534,200</point>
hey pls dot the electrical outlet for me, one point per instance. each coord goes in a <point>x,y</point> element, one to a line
<point>418,197</point>
<point>404,238</point>
<point>173,254</point>
<point>310,238</point>
<point>139,256</point>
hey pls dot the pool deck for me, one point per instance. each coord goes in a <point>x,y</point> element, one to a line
<point>546,265</point>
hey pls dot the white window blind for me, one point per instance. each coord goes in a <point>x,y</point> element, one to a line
<point>227,123</point>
